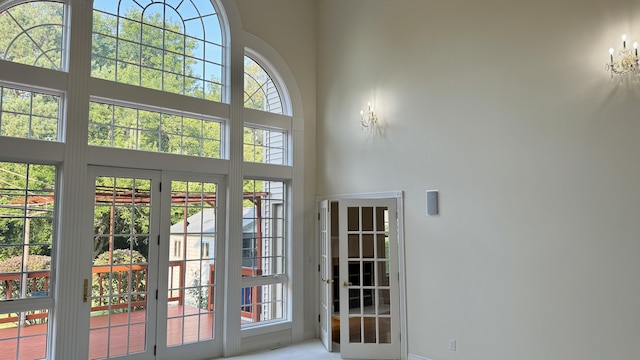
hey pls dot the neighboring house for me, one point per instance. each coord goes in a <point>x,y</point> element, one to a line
<point>194,243</point>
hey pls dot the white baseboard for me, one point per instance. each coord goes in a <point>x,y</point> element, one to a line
<point>416,357</point>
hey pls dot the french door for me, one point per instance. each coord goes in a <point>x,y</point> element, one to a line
<point>326,295</point>
<point>369,279</point>
<point>152,292</point>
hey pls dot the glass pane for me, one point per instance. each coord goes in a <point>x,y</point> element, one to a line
<point>191,276</point>
<point>367,246</point>
<point>382,219</point>
<point>130,128</point>
<point>368,301</point>
<point>383,273</point>
<point>369,330</point>
<point>28,114</point>
<point>26,341</point>
<point>265,146</point>
<point>368,275</point>
<point>120,266</point>
<point>354,246</point>
<point>260,92</point>
<point>353,219</point>
<point>354,273</point>
<point>262,303</point>
<point>367,219</point>
<point>33,34</point>
<point>263,228</point>
<point>355,330</point>
<point>382,243</point>
<point>27,204</point>
<point>355,298</point>
<point>154,36</point>
<point>384,302</point>
<point>384,330</point>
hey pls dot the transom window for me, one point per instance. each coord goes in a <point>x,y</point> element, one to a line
<point>264,145</point>
<point>260,92</point>
<point>131,128</point>
<point>29,114</point>
<point>33,34</point>
<point>173,46</point>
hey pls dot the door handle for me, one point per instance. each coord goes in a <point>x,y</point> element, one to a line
<point>346,284</point>
<point>326,281</point>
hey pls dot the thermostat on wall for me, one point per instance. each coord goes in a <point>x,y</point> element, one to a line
<point>432,202</point>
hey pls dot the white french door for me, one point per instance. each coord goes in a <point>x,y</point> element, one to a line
<point>152,292</point>
<point>369,279</point>
<point>326,279</point>
<point>190,314</point>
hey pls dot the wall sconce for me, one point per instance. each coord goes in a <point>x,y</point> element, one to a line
<point>623,62</point>
<point>368,119</point>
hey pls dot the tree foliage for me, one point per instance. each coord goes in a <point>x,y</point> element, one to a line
<point>32,34</point>
<point>145,50</point>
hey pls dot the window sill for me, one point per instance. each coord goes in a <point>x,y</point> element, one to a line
<point>265,328</point>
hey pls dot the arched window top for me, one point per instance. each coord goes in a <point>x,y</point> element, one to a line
<point>170,45</point>
<point>260,91</point>
<point>32,34</point>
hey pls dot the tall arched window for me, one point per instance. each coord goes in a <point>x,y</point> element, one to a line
<point>118,178</point>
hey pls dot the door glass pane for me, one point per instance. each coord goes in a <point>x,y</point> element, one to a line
<point>354,273</point>
<point>354,301</point>
<point>384,302</point>
<point>355,329</point>
<point>367,246</point>
<point>383,273</point>
<point>354,246</point>
<point>368,301</point>
<point>382,243</point>
<point>384,328</point>
<point>369,330</point>
<point>353,218</point>
<point>191,305</point>
<point>368,275</point>
<point>119,316</point>
<point>382,219</point>
<point>27,341</point>
<point>367,219</point>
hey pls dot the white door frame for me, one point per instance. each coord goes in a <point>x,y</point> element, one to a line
<point>399,196</point>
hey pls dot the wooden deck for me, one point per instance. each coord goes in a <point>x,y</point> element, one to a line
<point>117,340</point>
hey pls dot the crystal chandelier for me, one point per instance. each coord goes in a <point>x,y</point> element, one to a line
<point>368,119</point>
<point>623,62</point>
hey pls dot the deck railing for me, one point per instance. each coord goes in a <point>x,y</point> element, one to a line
<point>105,290</point>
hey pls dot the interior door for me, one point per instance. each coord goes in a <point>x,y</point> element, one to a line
<point>326,297</point>
<point>369,296</point>
<point>124,263</point>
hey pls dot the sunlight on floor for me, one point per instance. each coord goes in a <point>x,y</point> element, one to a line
<point>310,349</point>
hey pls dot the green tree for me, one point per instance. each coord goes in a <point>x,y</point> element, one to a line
<point>26,208</point>
<point>32,34</point>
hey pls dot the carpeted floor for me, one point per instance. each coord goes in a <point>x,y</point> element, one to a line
<point>310,349</point>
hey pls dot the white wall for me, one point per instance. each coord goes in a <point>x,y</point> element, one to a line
<point>506,108</point>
